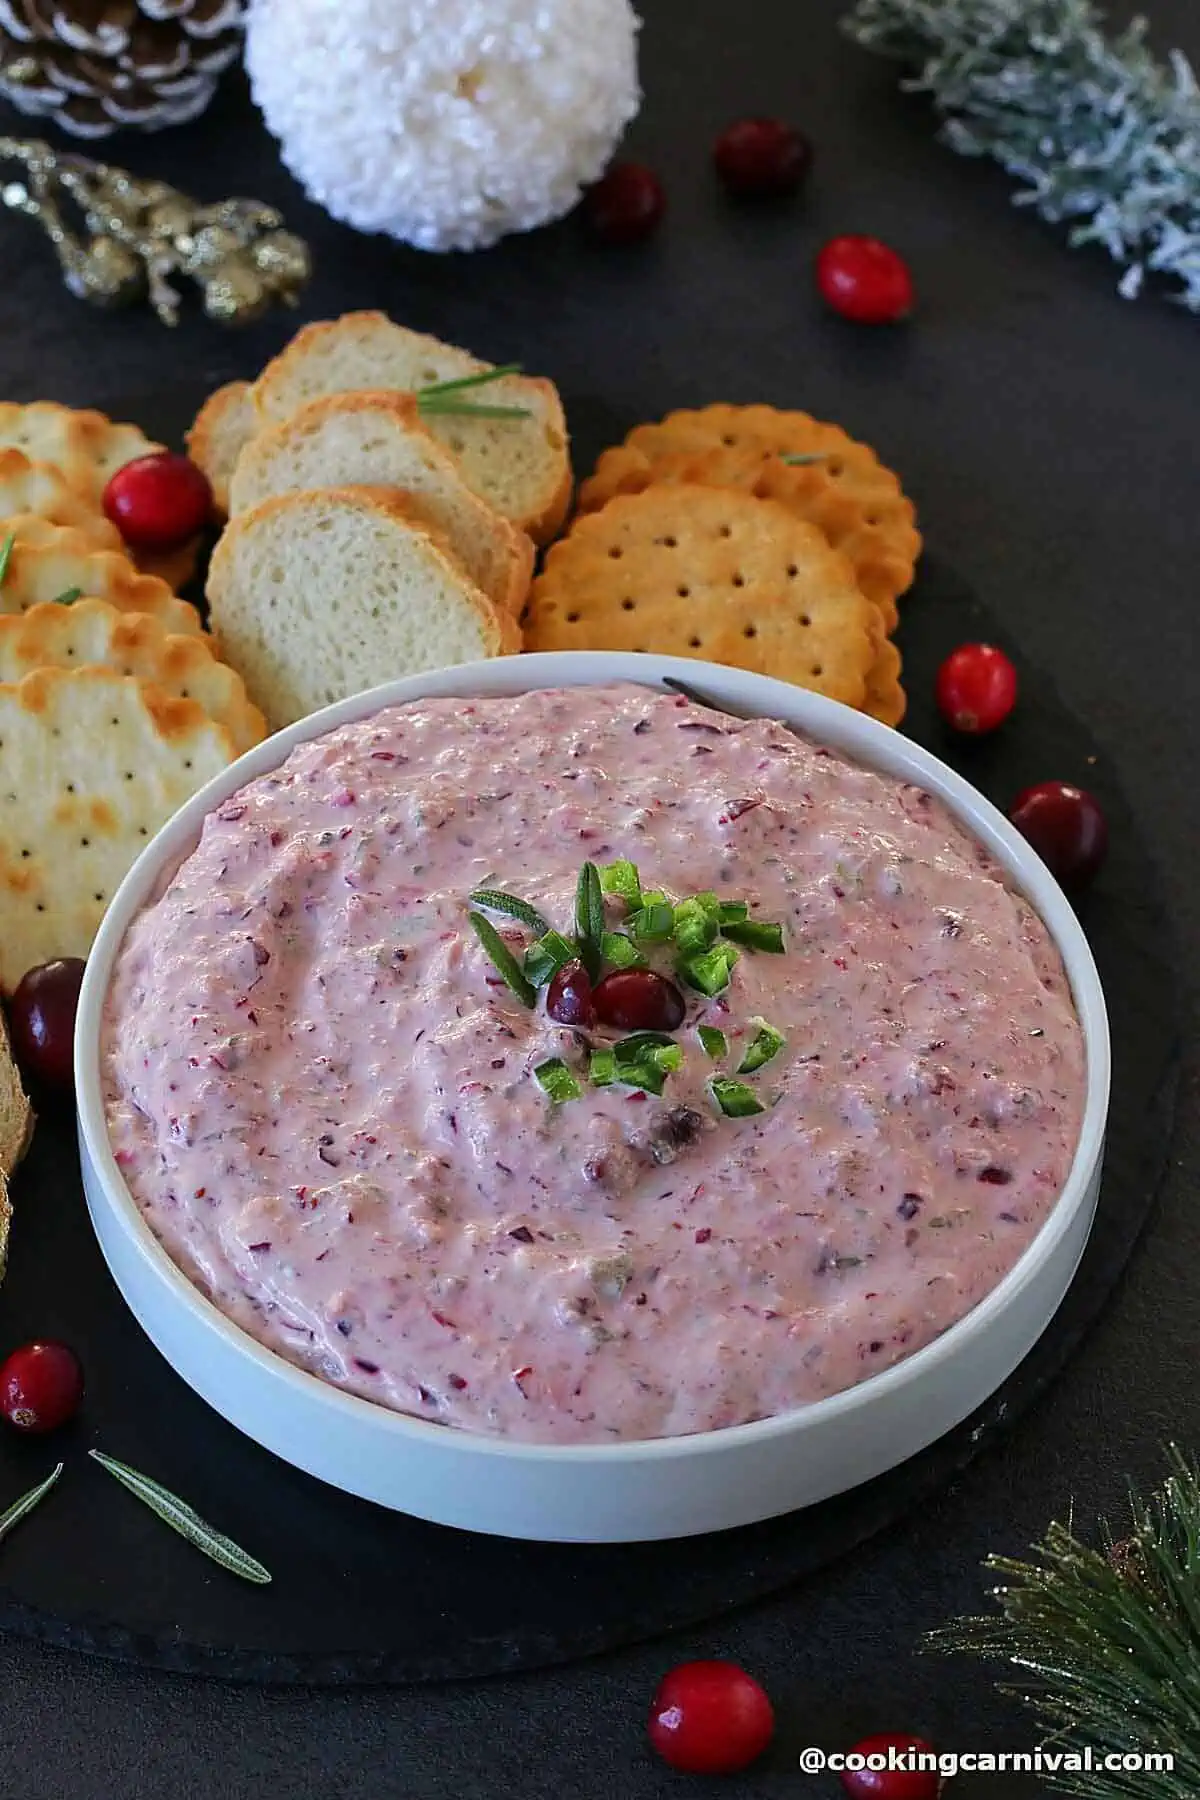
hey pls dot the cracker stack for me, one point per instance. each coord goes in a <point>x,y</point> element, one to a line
<point>435,511</point>
<point>109,720</point>
<point>113,705</point>
<point>741,535</point>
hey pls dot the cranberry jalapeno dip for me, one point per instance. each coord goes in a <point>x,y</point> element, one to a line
<point>338,1096</point>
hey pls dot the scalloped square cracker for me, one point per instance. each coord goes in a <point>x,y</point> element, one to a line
<point>94,633</point>
<point>87,448</point>
<point>92,763</point>
<point>49,560</point>
<point>41,488</point>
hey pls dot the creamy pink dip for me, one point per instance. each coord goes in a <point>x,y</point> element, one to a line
<point>321,1095</point>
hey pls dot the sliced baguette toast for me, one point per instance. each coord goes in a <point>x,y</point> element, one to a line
<point>520,466</point>
<point>317,595</point>
<point>221,430</point>
<point>16,1114</point>
<point>379,440</point>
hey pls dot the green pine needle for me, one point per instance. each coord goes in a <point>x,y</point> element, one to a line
<point>1102,134</point>
<point>1105,1643</point>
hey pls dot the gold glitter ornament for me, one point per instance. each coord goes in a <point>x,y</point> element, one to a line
<point>170,218</point>
<point>237,293</point>
<point>212,246</point>
<point>109,274</point>
<point>128,237</point>
<point>283,257</point>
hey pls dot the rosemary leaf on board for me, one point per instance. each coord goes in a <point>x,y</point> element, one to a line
<point>25,1505</point>
<point>185,1520</point>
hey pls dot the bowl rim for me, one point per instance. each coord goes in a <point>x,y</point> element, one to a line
<point>853,735</point>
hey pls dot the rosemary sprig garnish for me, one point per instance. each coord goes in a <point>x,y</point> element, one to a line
<point>494,900</point>
<point>6,550</point>
<point>463,409</point>
<point>503,960</point>
<point>442,398</point>
<point>460,382</point>
<point>185,1520</point>
<point>25,1505</point>
<point>700,927</point>
<point>589,919</point>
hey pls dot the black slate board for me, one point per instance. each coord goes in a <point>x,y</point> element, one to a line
<point>361,1595</point>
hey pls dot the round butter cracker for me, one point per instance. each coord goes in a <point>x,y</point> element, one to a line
<point>847,492</point>
<point>712,574</point>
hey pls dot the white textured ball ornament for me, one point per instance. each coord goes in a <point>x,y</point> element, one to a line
<point>446,123</point>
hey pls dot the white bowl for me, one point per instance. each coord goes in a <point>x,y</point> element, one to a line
<point>628,1491</point>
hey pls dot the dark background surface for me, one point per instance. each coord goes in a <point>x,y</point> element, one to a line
<point>1046,431</point>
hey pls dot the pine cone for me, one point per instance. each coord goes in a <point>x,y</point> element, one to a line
<point>94,66</point>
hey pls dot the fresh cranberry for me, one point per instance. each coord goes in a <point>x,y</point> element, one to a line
<point>762,156</point>
<point>891,1784</point>
<point>976,688</point>
<point>710,1718</point>
<point>42,1016</point>
<point>864,280</point>
<point>1066,827</point>
<point>626,205</point>
<point>158,502</point>
<point>638,1000</point>
<point>569,996</point>
<point>41,1386</point>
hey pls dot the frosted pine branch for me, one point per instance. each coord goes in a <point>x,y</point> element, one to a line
<point>1101,133</point>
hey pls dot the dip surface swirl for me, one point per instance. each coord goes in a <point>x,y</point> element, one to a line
<point>321,1094</point>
